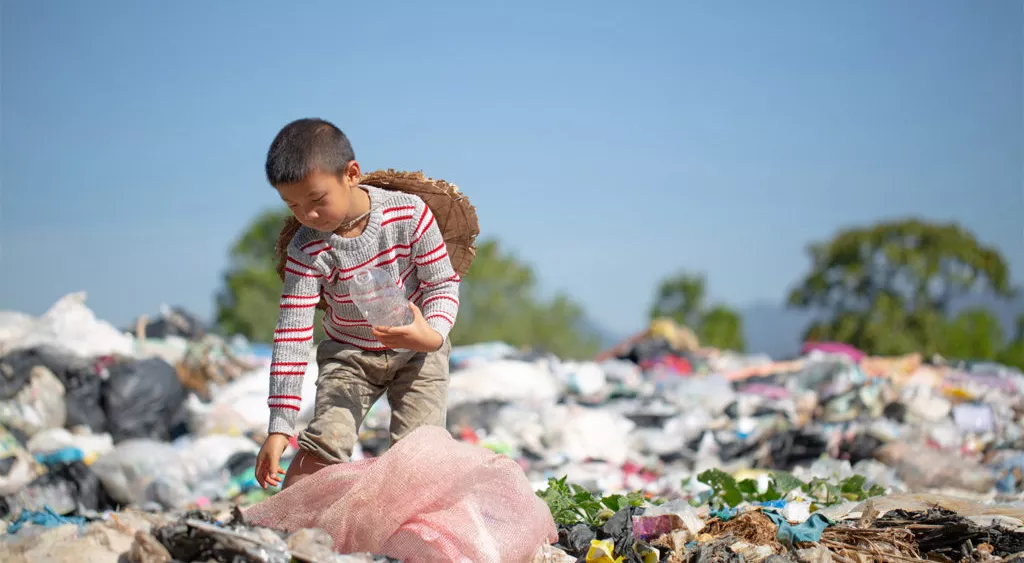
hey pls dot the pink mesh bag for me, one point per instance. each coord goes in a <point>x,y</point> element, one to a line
<point>428,498</point>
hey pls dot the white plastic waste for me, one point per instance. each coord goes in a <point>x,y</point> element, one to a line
<point>503,380</point>
<point>587,433</point>
<point>55,439</point>
<point>72,325</point>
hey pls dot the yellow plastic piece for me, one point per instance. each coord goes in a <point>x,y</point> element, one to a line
<point>602,551</point>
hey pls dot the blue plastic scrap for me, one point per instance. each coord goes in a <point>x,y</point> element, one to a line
<point>47,518</point>
<point>808,531</point>
<point>61,456</point>
<point>724,514</point>
<point>1008,473</point>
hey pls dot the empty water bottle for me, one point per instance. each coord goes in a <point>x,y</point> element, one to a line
<point>379,298</point>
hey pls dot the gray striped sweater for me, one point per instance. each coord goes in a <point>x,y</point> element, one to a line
<point>400,237</point>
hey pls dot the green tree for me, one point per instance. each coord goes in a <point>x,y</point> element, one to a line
<point>248,302</point>
<point>498,298</point>
<point>1013,353</point>
<point>975,334</point>
<point>722,328</point>
<point>888,288</point>
<point>683,298</point>
<point>498,301</point>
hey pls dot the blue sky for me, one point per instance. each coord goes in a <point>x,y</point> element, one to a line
<point>607,143</point>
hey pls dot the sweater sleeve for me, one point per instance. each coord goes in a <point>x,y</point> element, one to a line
<point>439,282</point>
<point>293,337</point>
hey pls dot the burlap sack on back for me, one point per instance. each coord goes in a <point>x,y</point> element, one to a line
<point>455,216</point>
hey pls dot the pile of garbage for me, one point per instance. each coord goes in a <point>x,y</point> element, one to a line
<point>142,442</point>
<point>777,518</point>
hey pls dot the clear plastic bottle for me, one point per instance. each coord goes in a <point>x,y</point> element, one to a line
<point>379,298</point>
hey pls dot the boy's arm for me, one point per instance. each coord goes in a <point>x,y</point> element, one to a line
<point>438,281</point>
<point>292,339</point>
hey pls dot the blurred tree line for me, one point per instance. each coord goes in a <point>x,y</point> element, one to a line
<point>886,289</point>
<point>683,298</point>
<point>891,288</point>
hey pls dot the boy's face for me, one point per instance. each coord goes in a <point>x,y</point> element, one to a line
<point>322,201</point>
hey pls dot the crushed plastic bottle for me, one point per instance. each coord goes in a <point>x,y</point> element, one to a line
<point>379,298</point>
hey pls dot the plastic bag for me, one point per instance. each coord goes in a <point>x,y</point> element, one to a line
<point>141,471</point>
<point>428,498</point>
<point>583,433</point>
<point>54,439</point>
<point>17,467</point>
<point>65,488</point>
<point>712,393</point>
<point>144,399</point>
<point>210,454</point>
<point>38,406</point>
<point>13,325</point>
<point>82,383</point>
<point>503,380</point>
<point>585,379</point>
<point>72,325</point>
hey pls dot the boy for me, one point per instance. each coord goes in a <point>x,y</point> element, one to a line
<point>346,226</point>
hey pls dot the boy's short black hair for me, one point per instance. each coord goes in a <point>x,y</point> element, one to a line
<point>305,145</point>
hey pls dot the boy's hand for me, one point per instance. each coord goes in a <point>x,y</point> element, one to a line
<point>268,461</point>
<point>417,335</point>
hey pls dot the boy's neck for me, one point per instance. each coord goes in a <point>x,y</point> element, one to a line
<point>352,230</point>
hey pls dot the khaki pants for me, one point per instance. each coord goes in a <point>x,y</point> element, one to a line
<point>351,380</point>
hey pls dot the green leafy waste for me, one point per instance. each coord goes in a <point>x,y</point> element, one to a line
<point>727,492</point>
<point>571,504</point>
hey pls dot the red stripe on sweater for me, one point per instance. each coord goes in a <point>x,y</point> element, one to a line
<point>311,244</point>
<point>310,327</point>
<point>338,271</point>
<point>454,278</point>
<point>398,208</point>
<point>339,320</point>
<point>338,298</point>
<point>303,274</point>
<point>282,406</point>
<point>439,247</point>
<point>425,229</point>
<point>433,260</point>
<point>294,261</point>
<point>336,338</point>
<point>379,254</point>
<point>289,397</point>
<point>443,296</point>
<point>408,272</point>
<point>423,215</point>
<point>441,316</point>
<point>290,373</point>
<point>395,220</point>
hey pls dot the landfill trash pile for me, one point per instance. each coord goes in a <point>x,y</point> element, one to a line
<point>141,444</point>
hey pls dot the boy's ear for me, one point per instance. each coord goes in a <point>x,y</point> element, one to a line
<point>353,173</point>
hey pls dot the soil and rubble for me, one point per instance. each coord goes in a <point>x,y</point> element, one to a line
<point>140,445</point>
